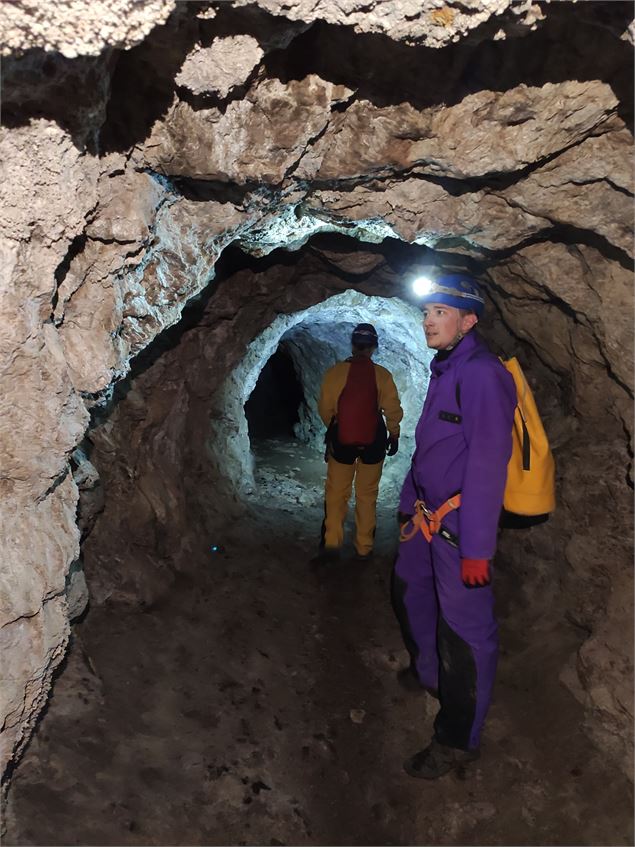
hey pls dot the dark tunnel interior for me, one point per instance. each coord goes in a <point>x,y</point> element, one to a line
<point>272,408</point>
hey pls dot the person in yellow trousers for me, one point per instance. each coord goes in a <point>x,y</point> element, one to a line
<point>359,405</point>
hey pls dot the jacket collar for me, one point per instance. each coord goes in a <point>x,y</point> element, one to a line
<point>463,350</point>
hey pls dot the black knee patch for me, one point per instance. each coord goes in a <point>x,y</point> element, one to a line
<point>457,688</point>
<point>398,588</point>
<point>323,529</point>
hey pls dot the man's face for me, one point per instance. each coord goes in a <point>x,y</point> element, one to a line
<point>442,325</point>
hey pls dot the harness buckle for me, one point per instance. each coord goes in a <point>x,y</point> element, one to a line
<point>429,522</point>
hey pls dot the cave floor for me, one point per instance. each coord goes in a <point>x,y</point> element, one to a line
<point>257,704</point>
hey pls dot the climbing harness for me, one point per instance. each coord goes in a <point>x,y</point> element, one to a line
<point>429,523</point>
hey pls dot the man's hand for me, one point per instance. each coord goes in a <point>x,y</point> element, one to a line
<point>393,445</point>
<point>475,572</point>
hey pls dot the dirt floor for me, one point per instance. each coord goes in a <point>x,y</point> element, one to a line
<point>258,705</point>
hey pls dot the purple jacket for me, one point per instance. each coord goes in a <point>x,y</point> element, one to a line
<point>470,453</point>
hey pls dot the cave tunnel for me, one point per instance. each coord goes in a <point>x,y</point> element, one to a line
<point>200,201</point>
<point>283,427</point>
<point>273,406</point>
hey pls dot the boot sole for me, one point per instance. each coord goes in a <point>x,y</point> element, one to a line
<point>455,767</point>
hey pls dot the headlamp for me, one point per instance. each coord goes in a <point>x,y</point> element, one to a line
<point>422,285</point>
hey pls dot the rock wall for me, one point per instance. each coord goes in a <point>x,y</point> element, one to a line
<point>48,187</point>
<point>127,173</point>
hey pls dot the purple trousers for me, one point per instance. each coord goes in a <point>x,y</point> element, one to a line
<point>451,634</point>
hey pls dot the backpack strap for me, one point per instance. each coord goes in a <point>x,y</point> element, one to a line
<point>526,441</point>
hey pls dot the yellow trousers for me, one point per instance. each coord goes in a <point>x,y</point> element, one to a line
<point>339,484</point>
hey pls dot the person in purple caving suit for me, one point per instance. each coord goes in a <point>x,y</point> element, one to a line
<point>449,511</point>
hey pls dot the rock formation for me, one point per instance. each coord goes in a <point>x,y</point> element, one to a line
<point>490,136</point>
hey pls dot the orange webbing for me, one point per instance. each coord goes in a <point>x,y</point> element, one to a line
<point>429,523</point>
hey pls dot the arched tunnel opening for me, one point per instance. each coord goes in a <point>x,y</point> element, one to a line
<point>272,409</point>
<point>222,197</point>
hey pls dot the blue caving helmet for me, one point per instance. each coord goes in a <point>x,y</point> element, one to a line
<point>364,335</point>
<point>456,290</point>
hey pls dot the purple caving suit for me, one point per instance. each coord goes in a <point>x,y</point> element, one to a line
<point>462,444</point>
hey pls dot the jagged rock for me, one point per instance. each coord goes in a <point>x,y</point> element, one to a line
<point>259,138</point>
<point>221,67</point>
<point>47,183</point>
<point>434,24</point>
<point>507,132</point>
<point>187,241</point>
<point>423,212</point>
<point>76,592</point>
<point>54,515</point>
<point>47,190</point>
<point>599,674</point>
<point>75,29</point>
<point>31,648</point>
<point>93,350</point>
<point>586,187</point>
<point>91,492</point>
<point>90,301</point>
<point>127,208</point>
<point>596,288</point>
<point>33,614</point>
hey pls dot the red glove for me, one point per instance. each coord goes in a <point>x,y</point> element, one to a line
<point>475,572</point>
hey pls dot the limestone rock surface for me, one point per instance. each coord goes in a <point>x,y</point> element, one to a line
<point>259,138</point>
<point>587,187</point>
<point>48,188</point>
<point>424,212</point>
<point>221,67</point>
<point>434,23</point>
<point>596,289</point>
<point>507,131</point>
<point>31,649</point>
<point>77,28</point>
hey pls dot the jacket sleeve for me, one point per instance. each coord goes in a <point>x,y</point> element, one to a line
<point>389,404</point>
<point>488,401</point>
<point>329,395</point>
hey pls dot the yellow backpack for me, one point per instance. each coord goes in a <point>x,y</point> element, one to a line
<point>530,490</point>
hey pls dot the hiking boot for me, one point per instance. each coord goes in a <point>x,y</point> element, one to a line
<point>409,681</point>
<point>438,759</point>
<point>326,556</point>
<point>362,557</point>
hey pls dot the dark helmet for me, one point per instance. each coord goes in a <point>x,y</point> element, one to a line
<point>364,335</point>
<point>456,290</point>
